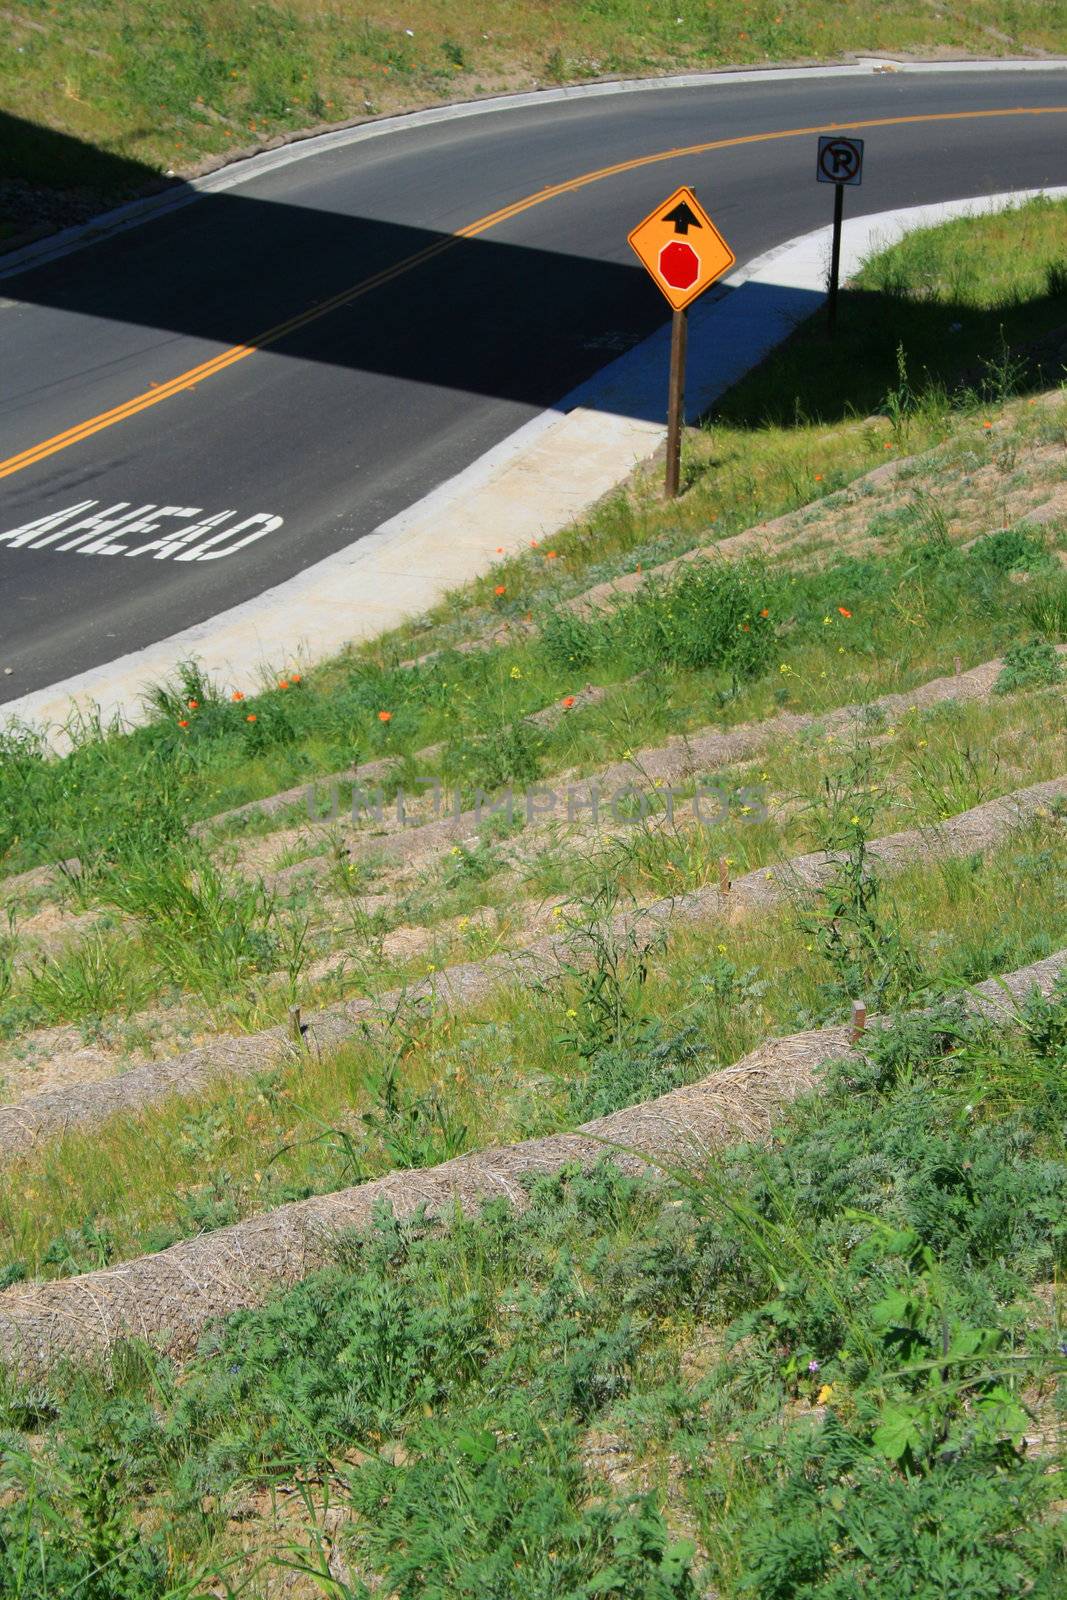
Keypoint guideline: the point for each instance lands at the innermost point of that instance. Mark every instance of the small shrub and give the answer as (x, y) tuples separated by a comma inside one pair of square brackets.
[(1004, 373), (1044, 605), (83, 1249), (490, 760), (851, 921), (568, 642), (620, 1076), (1027, 666), (608, 969), (709, 615), (555, 66), (86, 982), (1056, 277), (1011, 550)]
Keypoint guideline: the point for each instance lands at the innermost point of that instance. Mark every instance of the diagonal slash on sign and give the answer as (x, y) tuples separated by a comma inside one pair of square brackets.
[(238, 352)]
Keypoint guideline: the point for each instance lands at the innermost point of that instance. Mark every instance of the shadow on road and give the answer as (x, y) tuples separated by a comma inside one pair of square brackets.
[(476, 315)]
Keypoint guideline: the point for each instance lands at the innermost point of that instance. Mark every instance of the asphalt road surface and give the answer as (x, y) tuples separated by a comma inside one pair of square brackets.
[(192, 373)]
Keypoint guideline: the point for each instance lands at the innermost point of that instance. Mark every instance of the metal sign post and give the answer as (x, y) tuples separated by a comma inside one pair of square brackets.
[(840, 163), (682, 268)]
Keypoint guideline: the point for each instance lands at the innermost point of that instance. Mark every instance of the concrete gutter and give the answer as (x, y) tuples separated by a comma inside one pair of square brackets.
[(529, 487)]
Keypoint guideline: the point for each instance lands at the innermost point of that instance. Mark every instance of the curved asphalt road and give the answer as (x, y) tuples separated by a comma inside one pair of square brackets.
[(339, 423)]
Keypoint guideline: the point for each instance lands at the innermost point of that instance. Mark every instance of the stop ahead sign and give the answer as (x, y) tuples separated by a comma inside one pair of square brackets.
[(681, 248)]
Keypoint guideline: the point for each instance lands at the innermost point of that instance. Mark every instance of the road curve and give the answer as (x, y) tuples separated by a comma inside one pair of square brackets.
[(265, 376)]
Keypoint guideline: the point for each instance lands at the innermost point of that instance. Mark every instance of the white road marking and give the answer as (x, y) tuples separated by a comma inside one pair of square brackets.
[(92, 532)]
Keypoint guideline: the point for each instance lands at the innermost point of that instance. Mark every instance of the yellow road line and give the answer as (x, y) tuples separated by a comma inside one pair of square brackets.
[(238, 352)]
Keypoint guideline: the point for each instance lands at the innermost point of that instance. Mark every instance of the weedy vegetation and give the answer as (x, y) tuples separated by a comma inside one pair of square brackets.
[(825, 1363)]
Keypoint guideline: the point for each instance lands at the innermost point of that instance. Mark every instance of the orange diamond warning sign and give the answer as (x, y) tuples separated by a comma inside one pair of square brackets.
[(682, 248)]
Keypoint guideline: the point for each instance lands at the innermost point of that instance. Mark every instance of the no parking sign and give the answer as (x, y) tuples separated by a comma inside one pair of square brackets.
[(840, 160)]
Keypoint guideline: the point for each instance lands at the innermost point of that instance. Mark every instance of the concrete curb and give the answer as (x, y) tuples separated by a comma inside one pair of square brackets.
[(246, 168), (530, 486)]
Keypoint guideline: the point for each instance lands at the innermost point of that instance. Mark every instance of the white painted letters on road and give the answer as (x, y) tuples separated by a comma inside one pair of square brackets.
[(204, 553), (30, 530), (115, 531)]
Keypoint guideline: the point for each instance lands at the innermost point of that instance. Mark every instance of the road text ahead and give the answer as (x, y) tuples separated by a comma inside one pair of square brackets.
[(181, 532)]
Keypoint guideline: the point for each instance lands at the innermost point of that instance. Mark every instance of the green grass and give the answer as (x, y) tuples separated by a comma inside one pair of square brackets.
[(830, 1366), (816, 1364), (200, 948), (182, 933), (129, 792), (162, 777), (434, 1083), (111, 95)]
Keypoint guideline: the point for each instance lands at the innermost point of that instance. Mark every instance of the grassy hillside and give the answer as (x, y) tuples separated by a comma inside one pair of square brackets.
[(141, 88), (823, 1355)]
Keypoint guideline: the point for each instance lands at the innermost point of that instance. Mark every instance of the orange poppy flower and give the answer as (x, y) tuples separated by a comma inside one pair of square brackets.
[(236, 695), (550, 556), (251, 717), (499, 589), (845, 612), (182, 722), (283, 683), (818, 477), (294, 677), (385, 716), (567, 701), (194, 705), (765, 612)]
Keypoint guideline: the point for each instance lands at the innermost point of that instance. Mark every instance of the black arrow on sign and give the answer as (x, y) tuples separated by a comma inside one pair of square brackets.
[(683, 218)]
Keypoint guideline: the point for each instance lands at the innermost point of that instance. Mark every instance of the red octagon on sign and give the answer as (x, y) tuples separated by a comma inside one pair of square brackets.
[(679, 264)]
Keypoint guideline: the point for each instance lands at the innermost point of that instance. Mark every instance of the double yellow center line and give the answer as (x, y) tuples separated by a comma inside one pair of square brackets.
[(238, 352)]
